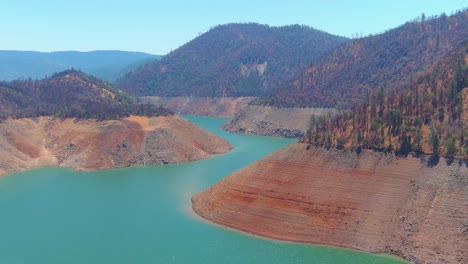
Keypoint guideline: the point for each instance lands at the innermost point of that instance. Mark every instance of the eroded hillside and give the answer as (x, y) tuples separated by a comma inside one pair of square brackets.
[(412, 207), (88, 144), (204, 106), (273, 121)]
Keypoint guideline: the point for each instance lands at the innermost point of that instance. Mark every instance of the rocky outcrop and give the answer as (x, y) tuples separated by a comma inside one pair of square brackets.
[(416, 208), (92, 145), (205, 106), (273, 121)]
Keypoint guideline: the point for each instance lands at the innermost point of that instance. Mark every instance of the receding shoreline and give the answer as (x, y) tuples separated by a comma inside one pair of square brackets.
[(201, 106), (87, 145), (273, 121), (191, 211), (372, 202)]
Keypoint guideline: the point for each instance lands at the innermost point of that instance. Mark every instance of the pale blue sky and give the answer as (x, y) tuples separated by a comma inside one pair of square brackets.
[(159, 26)]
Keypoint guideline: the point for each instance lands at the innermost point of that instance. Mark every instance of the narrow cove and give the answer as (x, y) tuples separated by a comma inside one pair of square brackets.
[(141, 215)]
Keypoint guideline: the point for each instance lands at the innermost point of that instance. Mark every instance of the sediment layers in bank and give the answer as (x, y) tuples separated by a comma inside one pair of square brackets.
[(416, 208)]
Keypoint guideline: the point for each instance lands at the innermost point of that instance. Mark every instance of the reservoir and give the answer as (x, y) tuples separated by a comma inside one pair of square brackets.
[(142, 215)]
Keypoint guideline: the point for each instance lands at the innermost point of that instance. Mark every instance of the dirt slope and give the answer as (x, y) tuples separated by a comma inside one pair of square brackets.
[(273, 121), (374, 202), (205, 106), (92, 145)]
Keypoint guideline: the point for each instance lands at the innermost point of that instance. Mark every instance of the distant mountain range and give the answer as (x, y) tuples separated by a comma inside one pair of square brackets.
[(108, 65), (389, 60), (232, 60), (71, 94)]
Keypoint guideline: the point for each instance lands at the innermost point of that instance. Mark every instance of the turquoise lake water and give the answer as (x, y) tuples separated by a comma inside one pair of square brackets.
[(141, 215)]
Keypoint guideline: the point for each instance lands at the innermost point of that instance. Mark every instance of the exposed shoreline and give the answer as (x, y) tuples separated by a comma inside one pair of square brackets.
[(273, 121), (286, 122), (379, 204), (202, 106), (192, 212), (88, 145)]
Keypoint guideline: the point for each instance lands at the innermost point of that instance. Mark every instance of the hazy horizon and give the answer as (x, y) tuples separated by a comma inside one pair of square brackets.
[(157, 27)]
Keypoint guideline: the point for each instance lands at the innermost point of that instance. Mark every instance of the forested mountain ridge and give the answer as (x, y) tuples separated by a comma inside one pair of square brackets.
[(105, 64), (232, 60), (383, 61), (73, 94), (429, 116)]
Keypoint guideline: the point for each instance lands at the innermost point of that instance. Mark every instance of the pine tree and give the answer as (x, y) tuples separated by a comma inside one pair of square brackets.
[(450, 147), (359, 138), (417, 139), (434, 140)]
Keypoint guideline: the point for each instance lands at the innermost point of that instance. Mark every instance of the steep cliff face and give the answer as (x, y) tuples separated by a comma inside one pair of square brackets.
[(205, 106), (273, 121), (416, 208), (92, 145)]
